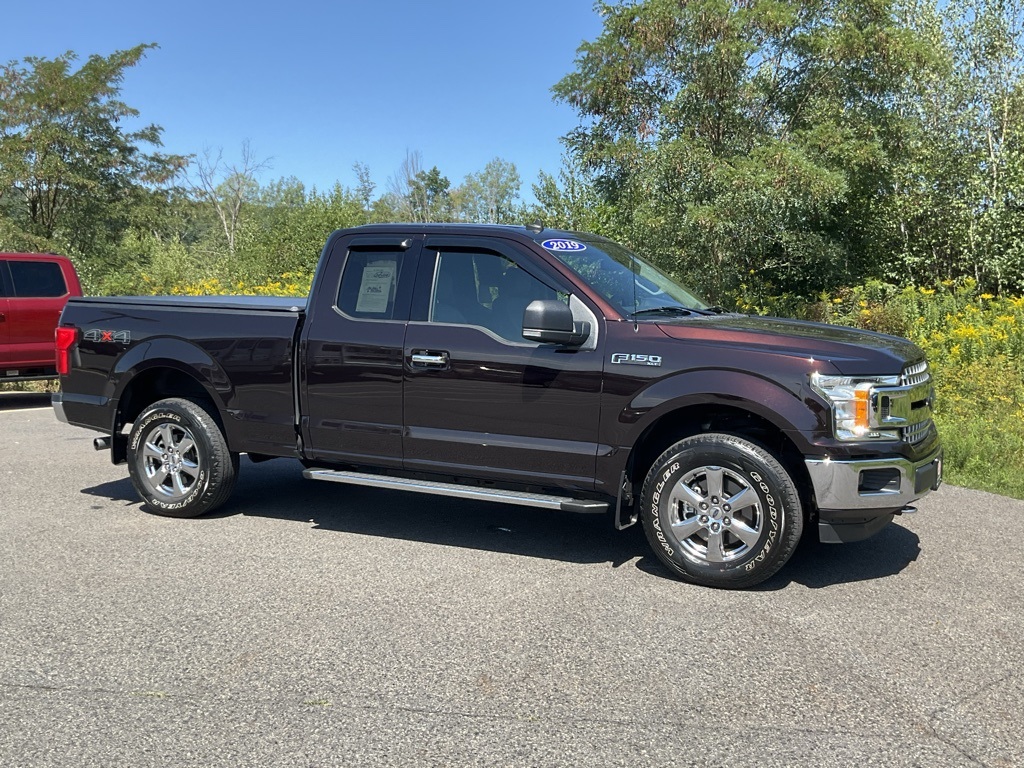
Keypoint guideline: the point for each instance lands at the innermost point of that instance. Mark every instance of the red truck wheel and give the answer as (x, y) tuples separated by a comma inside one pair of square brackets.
[(721, 511), (179, 460)]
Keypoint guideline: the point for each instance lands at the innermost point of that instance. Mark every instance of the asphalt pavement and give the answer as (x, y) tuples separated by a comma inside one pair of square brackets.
[(312, 624)]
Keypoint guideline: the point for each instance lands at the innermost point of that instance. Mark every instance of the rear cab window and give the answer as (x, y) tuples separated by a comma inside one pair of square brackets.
[(369, 284)]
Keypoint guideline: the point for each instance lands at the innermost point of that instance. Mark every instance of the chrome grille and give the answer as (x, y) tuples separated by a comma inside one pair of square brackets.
[(917, 432), (915, 374)]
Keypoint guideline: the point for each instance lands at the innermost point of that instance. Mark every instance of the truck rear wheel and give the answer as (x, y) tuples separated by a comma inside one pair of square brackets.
[(721, 511), (178, 459)]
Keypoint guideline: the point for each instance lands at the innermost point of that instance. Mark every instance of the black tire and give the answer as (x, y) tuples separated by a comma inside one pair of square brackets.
[(178, 459), (698, 534)]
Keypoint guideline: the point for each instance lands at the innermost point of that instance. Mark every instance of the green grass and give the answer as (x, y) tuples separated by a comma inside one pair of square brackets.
[(981, 420)]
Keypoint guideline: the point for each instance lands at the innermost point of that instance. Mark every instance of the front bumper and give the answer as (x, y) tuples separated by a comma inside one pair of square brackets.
[(866, 484), (858, 497)]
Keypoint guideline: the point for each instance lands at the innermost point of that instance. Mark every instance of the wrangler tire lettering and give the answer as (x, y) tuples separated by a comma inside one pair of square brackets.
[(733, 563)]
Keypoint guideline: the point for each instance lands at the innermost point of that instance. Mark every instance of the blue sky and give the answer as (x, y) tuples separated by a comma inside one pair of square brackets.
[(317, 86)]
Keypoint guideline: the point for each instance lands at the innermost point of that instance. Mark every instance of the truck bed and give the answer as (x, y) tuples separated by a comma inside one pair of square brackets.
[(236, 351)]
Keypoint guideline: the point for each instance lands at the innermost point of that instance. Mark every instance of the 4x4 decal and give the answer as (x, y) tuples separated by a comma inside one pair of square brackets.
[(115, 337)]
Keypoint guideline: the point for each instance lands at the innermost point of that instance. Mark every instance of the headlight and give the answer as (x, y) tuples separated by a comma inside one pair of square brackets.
[(851, 400)]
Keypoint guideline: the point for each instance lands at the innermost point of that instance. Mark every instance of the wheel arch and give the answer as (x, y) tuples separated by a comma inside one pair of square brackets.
[(165, 367), (160, 381), (734, 419), (149, 382)]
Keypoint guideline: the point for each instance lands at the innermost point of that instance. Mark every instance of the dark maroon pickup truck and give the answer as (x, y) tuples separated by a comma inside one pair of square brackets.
[(520, 365)]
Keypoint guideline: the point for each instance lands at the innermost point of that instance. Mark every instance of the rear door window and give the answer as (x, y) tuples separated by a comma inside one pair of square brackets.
[(3, 279), (37, 279), (369, 285)]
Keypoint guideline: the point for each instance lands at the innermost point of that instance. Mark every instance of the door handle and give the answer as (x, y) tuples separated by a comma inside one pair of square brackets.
[(2, 317), (425, 359)]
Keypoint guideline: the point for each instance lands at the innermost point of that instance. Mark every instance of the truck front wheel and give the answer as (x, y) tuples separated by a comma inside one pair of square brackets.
[(178, 459), (721, 511)]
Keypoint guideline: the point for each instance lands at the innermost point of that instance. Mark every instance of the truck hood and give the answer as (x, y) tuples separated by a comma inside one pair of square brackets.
[(852, 351)]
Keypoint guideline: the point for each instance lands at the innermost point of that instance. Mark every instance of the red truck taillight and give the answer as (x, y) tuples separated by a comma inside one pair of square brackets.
[(67, 335)]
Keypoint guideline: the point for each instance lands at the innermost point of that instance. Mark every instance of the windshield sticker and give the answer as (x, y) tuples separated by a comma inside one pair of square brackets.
[(560, 244)]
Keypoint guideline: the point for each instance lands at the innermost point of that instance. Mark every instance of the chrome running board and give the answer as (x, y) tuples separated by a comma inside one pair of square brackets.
[(565, 504)]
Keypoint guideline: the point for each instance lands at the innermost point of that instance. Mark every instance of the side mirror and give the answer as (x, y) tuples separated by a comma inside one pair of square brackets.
[(550, 321)]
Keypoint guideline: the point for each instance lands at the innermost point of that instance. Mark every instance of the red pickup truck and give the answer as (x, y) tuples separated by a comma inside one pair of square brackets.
[(34, 287)]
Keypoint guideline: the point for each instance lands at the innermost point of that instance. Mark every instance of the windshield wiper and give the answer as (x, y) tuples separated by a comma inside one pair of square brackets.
[(663, 311)]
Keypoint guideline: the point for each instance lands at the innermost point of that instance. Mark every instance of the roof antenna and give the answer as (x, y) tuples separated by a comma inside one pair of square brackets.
[(536, 227)]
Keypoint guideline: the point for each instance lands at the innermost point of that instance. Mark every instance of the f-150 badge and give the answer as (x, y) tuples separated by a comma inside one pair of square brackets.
[(624, 358), (116, 337)]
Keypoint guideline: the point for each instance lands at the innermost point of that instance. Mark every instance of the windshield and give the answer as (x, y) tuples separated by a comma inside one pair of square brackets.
[(612, 271)]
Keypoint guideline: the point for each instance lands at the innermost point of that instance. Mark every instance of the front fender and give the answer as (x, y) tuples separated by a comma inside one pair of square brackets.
[(785, 402)]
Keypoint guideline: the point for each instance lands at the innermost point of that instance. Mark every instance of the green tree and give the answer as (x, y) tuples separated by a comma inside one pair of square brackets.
[(960, 179), (227, 188), (417, 195), (570, 201), (430, 196), (71, 176), (365, 185), (490, 196), (731, 138), (290, 234)]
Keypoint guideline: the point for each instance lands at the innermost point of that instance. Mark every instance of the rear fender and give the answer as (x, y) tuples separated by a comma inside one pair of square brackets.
[(173, 354)]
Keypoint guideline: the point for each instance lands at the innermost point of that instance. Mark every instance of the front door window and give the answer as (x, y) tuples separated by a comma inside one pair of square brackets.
[(486, 290)]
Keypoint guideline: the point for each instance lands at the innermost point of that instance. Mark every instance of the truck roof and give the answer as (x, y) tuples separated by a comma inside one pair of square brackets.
[(34, 256), (531, 232)]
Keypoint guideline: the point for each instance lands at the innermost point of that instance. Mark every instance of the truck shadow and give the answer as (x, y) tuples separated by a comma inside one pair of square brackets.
[(13, 401), (816, 565), (277, 490)]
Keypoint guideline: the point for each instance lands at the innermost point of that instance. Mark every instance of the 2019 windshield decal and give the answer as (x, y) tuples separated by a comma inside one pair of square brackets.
[(562, 244)]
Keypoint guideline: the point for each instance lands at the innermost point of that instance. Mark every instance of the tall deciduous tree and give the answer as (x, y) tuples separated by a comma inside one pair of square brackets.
[(490, 195), (430, 196), (570, 201), (418, 195), (364, 186), (732, 137), (960, 179), (226, 188), (70, 171)]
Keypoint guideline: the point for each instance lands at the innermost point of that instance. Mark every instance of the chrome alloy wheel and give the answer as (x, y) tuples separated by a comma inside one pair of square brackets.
[(715, 515), (170, 462)]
